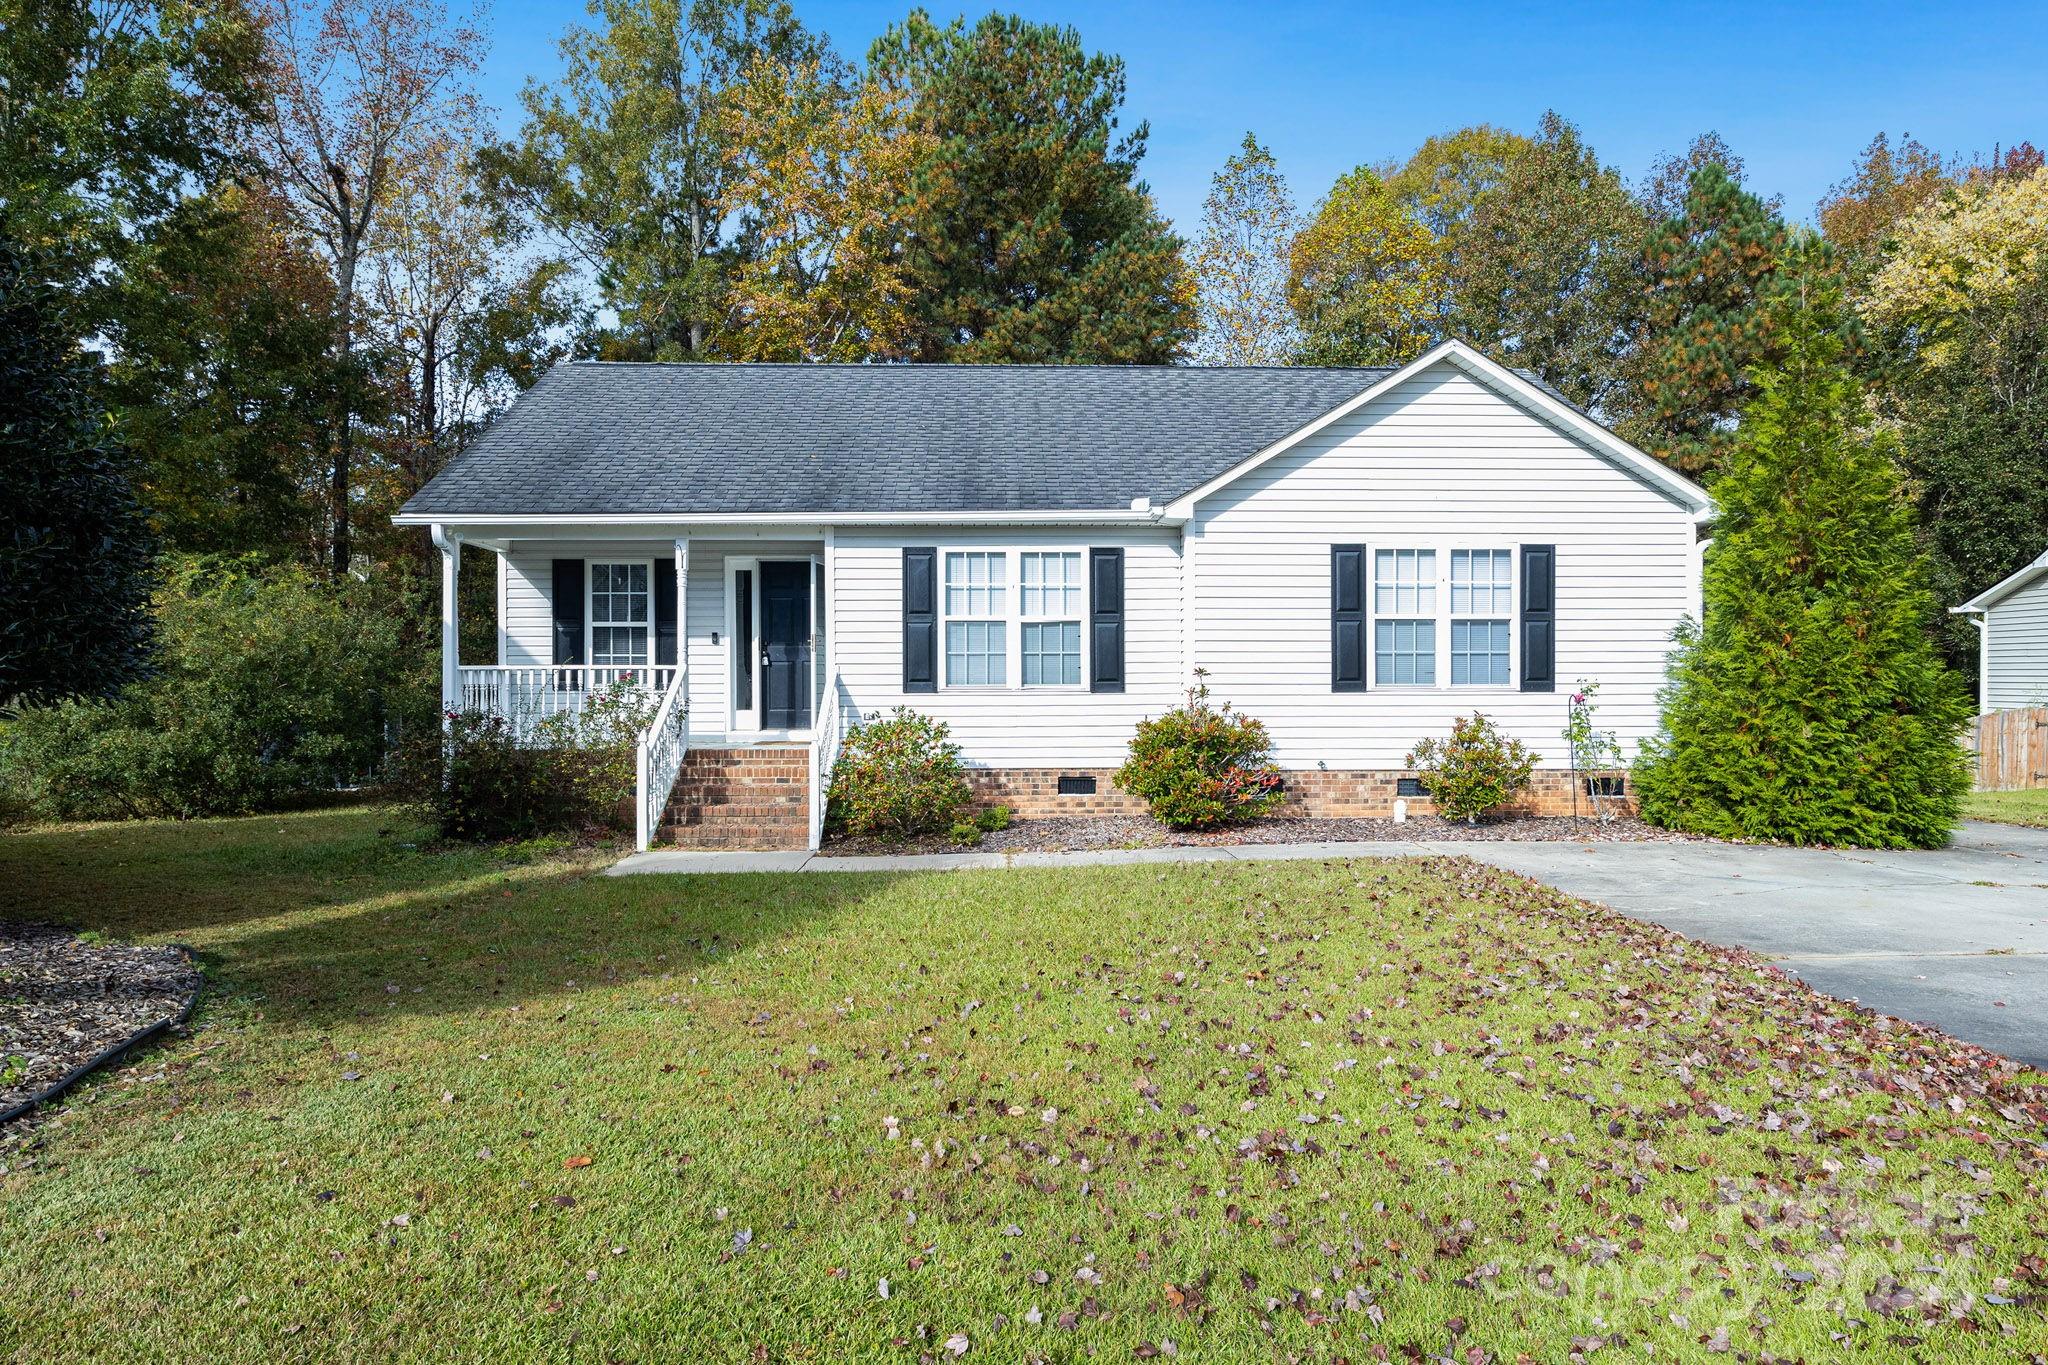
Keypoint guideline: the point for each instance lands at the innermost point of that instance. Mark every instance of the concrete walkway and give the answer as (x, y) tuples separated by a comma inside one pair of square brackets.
[(1956, 937)]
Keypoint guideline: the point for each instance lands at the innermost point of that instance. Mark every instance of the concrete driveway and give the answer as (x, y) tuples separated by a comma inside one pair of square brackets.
[(1956, 937)]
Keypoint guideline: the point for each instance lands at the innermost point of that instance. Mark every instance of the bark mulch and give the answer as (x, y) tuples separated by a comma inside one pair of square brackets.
[(1076, 833), (64, 1002)]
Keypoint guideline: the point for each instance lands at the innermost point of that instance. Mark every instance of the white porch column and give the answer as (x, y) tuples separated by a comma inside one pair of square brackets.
[(683, 625), (449, 543)]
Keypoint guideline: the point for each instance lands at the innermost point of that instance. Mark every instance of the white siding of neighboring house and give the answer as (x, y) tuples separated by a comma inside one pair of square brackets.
[(1014, 726), (2016, 650), (1440, 461)]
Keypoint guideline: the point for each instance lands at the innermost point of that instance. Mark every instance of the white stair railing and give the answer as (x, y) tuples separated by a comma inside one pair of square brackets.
[(828, 730), (663, 747)]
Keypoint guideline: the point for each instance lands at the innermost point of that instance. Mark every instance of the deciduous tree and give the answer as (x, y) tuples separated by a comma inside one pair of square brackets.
[(1811, 707), (819, 165), (1241, 263), (358, 91), (1544, 270), (1960, 307), (1368, 281)]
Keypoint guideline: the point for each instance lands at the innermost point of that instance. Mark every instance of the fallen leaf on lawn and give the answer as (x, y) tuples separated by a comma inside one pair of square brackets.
[(576, 1163)]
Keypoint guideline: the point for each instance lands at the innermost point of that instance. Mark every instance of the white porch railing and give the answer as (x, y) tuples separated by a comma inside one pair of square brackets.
[(662, 750), (525, 696), (828, 729)]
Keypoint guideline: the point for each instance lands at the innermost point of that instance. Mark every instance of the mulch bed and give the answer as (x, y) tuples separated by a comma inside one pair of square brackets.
[(64, 1003), (1069, 834)]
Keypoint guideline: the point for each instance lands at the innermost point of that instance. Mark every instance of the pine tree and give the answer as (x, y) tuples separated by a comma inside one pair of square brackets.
[(1032, 239), (1705, 324), (74, 547), (1811, 706)]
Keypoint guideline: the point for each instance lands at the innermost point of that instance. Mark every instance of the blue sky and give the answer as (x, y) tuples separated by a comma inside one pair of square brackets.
[(1797, 90)]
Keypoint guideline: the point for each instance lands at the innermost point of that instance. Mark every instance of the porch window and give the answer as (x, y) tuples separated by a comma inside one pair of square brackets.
[(1482, 606), (621, 614), (1049, 607), (1404, 617), (977, 618)]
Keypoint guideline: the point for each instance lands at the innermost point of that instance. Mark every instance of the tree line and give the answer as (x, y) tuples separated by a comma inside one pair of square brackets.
[(268, 266)]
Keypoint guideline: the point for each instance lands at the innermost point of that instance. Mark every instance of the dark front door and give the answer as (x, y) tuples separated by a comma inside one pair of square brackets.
[(785, 646)]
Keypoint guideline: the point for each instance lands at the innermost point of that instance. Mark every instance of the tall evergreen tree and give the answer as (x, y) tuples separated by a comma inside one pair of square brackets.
[(1705, 325), (1811, 706), (74, 547), (1032, 238)]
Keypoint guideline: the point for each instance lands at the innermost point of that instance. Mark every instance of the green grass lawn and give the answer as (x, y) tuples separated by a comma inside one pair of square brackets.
[(2013, 808), (453, 1107)]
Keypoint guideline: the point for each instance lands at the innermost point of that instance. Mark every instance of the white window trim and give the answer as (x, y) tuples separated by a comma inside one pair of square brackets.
[(590, 621), (1013, 617), (1443, 617)]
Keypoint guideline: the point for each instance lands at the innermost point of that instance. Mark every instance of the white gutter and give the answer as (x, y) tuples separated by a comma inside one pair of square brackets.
[(1135, 515)]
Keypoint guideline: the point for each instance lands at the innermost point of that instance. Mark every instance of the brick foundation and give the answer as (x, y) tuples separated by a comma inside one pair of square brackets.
[(1033, 794)]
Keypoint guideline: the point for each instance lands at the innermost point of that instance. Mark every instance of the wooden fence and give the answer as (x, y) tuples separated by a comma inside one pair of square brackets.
[(2012, 749)]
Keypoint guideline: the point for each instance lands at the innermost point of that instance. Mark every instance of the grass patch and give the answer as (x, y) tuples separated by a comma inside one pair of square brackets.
[(2011, 808), (455, 1106)]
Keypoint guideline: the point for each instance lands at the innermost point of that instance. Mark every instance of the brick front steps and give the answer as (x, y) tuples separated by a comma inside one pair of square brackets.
[(754, 798)]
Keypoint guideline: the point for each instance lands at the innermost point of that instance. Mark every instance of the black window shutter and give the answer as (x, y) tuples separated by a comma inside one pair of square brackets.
[(664, 612), (1347, 618), (1539, 618), (1106, 620), (567, 592), (920, 619)]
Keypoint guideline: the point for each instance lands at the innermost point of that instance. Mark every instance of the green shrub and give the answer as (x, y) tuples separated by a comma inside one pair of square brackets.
[(1200, 766), (897, 776), (271, 683), (1474, 771), (993, 819), (965, 833), (577, 774)]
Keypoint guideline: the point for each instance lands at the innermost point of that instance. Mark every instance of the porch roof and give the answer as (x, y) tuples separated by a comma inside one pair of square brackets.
[(623, 439)]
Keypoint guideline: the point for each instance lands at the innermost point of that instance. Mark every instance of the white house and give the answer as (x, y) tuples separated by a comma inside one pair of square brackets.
[(1043, 555), (2011, 618)]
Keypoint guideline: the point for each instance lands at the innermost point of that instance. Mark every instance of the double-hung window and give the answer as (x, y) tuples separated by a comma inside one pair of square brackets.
[(1404, 617), (977, 618), (1028, 604), (621, 614), (1049, 617), (1443, 616), (1482, 612)]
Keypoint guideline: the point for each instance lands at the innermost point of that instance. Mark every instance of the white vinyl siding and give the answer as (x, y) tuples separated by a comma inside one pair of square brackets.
[(1440, 461), (1025, 724), (2016, 650)]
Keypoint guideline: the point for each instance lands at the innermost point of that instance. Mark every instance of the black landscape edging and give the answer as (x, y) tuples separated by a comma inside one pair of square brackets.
[(55, 1089)]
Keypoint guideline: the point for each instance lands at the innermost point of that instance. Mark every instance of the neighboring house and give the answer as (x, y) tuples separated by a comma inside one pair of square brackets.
[(1042, 556), (2012, 640)]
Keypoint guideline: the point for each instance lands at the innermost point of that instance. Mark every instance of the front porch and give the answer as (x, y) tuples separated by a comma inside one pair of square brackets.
[(721, 643)]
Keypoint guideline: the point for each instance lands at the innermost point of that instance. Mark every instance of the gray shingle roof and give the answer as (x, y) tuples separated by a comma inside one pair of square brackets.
[(594, 438)]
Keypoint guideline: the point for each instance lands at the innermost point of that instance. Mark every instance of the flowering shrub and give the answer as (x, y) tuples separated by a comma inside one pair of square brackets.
[(1200, 766), (897, 776), (1594, 751), (1475, 770)]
